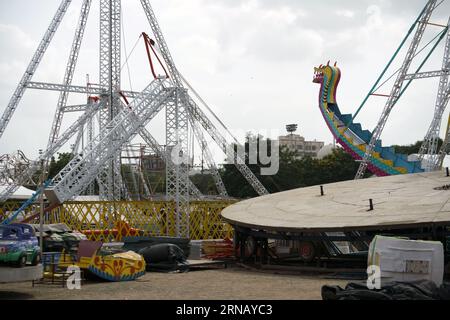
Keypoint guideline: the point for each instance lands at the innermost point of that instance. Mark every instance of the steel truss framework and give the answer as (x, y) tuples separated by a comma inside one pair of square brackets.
[(99, 159), (62, 140), (12, 166), (430, 144), (429, 147), (124, 127)]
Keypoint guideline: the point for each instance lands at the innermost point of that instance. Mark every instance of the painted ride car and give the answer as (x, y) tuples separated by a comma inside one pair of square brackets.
[(108, 262), (19, 245)]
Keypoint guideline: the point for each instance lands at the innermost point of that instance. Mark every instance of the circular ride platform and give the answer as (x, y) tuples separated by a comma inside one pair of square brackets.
[(10, 274), (400, 201)]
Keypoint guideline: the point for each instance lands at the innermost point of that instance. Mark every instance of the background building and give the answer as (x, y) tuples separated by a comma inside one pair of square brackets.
[(297, 143)]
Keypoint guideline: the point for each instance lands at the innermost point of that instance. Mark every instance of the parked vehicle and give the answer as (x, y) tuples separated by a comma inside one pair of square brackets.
[(19, 245)]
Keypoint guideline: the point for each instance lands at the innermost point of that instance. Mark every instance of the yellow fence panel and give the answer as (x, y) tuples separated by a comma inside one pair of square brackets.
[(8, 208), (112, 221)]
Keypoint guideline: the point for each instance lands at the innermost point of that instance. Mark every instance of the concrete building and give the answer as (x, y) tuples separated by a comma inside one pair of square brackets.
[(297, 143)]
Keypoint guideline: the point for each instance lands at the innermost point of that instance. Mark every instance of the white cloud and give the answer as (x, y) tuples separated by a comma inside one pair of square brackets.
[(345, 13), (16, 47), (13, 37)]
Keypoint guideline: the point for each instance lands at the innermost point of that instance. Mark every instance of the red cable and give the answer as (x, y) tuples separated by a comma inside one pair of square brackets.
[(124, 98), (149, 45), (160, 62)]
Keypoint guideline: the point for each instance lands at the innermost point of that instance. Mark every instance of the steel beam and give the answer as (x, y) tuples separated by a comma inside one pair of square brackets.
[(209, 159), (35, 61), (428, 74), (70, 70), (75, 89)]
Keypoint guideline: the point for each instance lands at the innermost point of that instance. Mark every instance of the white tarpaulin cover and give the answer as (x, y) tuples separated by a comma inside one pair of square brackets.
[(407, 260)]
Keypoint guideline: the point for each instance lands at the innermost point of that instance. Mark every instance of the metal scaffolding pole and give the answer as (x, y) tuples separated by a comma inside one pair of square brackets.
[(32, 67), (110, 57)]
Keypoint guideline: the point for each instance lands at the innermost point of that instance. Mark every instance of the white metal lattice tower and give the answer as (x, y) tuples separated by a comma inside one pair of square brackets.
[(429, 146), (97, 155), (177, 170), (110, 64)]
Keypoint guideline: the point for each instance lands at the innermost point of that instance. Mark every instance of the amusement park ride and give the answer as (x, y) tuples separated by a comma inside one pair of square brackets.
[(365, 145), (121, 120), (124, 115)]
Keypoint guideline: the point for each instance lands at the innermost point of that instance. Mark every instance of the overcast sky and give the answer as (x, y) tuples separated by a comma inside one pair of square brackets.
[(251, 60)]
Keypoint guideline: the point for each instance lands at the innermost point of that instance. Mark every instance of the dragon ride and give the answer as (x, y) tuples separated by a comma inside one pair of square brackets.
[(351, 136)]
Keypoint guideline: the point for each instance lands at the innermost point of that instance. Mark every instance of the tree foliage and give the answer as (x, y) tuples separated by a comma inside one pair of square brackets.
[(413, 148), (57, 165), (294, 172), (205, 183)]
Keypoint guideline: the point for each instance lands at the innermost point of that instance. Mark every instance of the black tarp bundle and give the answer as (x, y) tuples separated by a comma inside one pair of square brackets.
[(138, 243), (165, 257), (417, 290)]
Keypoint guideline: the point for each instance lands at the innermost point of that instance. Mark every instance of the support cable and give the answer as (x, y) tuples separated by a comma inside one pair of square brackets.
[(419, 52)]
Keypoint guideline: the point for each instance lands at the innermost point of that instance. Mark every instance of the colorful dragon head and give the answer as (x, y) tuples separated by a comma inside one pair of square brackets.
[(318, 74), (329, 77)]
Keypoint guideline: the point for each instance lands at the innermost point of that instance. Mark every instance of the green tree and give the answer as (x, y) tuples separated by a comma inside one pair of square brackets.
[(236, 184), (294, 172), (56, 166), (338, 166), (205, 183), (413, 148)]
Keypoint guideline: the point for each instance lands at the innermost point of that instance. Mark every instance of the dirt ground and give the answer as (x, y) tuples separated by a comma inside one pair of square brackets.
[(217, 284)]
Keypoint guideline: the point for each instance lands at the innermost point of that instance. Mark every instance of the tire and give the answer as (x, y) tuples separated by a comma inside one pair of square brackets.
[(22, 262), (307, 251), (37, 260)]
